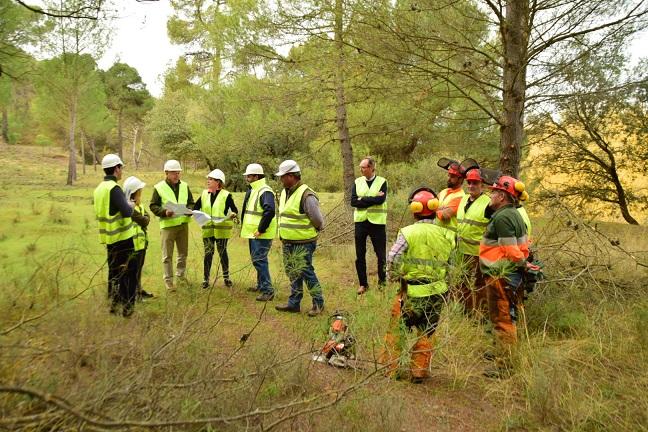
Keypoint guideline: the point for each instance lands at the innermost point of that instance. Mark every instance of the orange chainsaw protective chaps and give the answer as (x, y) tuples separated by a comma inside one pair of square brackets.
[(499, 312)]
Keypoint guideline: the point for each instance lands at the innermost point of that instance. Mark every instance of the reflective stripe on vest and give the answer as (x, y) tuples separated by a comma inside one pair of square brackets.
[(502, 255), (111, 228), (166, 194), (426, 258), (526, 219), (221, 230), (444, 200), (292, 224), (139, 239), (471, 225), (254, 212), (376, 214)]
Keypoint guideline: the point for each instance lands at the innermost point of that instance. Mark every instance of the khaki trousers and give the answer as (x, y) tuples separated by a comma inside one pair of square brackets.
[(178, 235)]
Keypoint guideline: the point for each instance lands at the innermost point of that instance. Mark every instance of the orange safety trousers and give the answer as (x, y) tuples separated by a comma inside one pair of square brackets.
[(499, 306), (421, 352)]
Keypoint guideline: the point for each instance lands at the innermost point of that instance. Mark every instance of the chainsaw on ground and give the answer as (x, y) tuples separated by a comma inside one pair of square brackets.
[(339, 349)]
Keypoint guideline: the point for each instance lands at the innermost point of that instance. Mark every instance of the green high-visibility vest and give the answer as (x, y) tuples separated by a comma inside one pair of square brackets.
[(471, 224), (376, 214), (424, 264), (526, 219), (166, 194), (254, 212), (140, 239), (292, 224), (111, 228), (221, 230)]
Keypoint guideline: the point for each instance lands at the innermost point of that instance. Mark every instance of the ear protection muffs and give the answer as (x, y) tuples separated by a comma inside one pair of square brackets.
[(422, 205)]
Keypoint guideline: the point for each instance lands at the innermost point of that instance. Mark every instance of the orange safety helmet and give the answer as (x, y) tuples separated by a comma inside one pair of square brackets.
[(423, 202), (512, 186), (474, 175), (452, 166), (453, 169)]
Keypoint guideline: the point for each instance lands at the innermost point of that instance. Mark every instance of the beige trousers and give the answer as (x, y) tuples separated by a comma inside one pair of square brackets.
[(178, 235)]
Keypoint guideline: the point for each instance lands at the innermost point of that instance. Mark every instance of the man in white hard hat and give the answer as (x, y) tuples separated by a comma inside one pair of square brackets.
[(300, 221), (116, 231), (174, 227), (369, 199), (259, 226), (216, 202)]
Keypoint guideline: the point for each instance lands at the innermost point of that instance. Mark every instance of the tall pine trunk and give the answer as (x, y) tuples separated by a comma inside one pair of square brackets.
[(515, 39), (71, 177), (341, 111), (120, 134)]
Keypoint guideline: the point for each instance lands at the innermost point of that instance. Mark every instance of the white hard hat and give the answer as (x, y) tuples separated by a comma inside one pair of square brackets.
[(254, 168), (288, 166), (172, 165), (217, 175), (131, 185), (111, 160)]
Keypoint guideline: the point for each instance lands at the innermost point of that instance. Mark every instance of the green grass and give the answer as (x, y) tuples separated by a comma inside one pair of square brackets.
[(580, 364)]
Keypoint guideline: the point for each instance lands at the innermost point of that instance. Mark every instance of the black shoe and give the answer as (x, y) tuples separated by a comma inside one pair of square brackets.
[(315, 310), (265, 297), (228, 283), (287, 308), (253, 289), (205, 284), (143, 294)]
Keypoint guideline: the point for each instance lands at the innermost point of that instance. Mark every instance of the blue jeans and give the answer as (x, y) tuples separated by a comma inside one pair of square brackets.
[(259, 249), (298, 262)]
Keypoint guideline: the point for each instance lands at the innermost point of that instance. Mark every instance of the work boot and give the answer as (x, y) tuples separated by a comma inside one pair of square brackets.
[(418, 379), (144, 294), (228, 283), (265, 297), (205, 284), (287, 308), (253, 289), (363, 289), (315, 310)]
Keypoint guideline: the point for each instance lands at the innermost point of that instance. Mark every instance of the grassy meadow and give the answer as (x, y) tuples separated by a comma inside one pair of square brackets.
[(216, 360)]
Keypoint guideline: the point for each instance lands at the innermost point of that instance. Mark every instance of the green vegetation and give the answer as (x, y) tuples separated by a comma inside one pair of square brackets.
[(203, 356)]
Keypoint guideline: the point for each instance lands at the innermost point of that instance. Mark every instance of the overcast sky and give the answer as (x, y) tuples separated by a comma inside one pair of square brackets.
[(141, 41)]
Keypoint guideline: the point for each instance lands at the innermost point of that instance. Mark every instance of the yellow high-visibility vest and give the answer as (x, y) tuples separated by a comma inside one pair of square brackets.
[(221, 230), (376, 214), (292, 224), (111, 228), (254, 212), (471, 224), (166, 194)]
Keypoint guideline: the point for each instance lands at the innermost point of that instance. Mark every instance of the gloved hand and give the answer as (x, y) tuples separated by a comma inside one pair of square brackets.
[(532, 267)]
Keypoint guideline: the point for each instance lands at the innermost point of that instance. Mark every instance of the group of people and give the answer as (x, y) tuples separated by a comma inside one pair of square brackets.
[(123, 222), (487, 235)]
